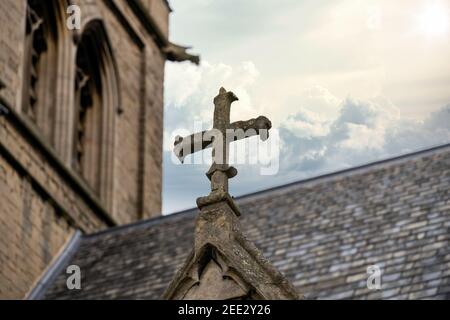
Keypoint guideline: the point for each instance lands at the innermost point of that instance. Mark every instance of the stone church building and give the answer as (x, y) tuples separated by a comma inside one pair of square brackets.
[(80, 125), (81, 115)]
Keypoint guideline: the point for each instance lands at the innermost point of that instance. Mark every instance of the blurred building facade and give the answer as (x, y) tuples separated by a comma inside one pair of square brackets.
[(80, 125)]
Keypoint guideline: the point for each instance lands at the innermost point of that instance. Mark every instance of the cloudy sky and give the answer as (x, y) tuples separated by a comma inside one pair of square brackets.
[(344, 83)]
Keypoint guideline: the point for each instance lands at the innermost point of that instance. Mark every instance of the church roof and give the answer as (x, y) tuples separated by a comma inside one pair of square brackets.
[(322, 233)]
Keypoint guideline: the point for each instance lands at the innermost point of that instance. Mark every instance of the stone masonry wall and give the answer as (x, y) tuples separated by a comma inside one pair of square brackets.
[(39, 210), (126, 171), (32, 232), (160, 10), (139, 129), (12, 19)]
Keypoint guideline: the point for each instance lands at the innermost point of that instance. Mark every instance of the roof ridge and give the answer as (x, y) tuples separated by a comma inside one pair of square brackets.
[(141, 223), (341, 172), (160, 219)]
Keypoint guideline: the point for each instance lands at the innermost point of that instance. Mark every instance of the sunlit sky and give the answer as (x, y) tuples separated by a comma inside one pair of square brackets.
[(344, 82)]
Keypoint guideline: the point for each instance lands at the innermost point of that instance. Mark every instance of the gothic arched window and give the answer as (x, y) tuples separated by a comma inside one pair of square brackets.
[(43, 21), (96, 100)]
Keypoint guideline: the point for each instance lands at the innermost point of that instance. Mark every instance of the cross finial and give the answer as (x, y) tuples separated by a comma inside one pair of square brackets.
[(219, 139)]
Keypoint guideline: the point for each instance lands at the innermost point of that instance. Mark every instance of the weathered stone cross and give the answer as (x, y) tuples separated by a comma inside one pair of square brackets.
[(223, 264), (219, 137)]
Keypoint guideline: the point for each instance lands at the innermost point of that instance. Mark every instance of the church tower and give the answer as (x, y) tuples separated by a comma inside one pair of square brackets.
[(81, 116)]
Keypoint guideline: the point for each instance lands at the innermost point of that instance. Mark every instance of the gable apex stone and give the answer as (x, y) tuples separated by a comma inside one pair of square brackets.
[(225, 265)]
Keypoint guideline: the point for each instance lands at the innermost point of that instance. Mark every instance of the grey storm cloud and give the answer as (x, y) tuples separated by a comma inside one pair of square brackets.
[(349, 141)]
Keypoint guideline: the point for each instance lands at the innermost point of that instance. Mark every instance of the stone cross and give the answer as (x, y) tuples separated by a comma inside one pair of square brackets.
[(223, 264), (219, 137)]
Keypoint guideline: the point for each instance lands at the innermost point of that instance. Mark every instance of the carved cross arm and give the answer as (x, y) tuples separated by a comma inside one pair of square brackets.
[(256, 126)]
